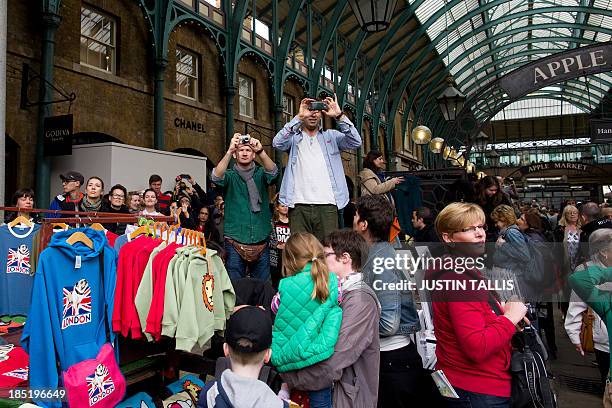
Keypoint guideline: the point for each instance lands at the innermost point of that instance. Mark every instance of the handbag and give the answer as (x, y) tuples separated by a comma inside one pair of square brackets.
[(248, 252), (586, 331), (97, 381)]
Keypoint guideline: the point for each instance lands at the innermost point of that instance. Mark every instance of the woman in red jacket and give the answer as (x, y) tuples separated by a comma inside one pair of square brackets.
[(473, 342)]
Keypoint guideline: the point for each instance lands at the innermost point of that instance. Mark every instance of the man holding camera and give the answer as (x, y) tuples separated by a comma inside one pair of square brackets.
[(314, 186), (247, 214)]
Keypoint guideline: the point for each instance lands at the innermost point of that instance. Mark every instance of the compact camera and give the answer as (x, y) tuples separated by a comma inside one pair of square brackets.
[(245, 139), (317, 105)]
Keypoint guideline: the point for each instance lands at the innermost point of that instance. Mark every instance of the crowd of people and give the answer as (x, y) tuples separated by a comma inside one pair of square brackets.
[(336, 336)]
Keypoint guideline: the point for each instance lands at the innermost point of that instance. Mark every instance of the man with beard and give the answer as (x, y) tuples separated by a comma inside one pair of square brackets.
[(314, 187), (247, 214)]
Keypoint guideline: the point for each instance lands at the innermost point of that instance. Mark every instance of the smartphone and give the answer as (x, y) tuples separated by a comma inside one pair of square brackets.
[(317, 105)]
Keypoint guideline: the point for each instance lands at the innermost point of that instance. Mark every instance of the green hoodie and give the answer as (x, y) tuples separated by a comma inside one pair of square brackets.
[(305, 330), (585, 284)]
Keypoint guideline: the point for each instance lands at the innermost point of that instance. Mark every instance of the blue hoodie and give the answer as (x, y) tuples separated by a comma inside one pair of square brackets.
[(67, 323)]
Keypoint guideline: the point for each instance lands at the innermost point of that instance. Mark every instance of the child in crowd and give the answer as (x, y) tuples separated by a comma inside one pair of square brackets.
[(248, 337), (278, 238), (308, 316)]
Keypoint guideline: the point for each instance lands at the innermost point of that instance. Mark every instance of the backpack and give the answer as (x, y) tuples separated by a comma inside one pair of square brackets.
[(531, 385)]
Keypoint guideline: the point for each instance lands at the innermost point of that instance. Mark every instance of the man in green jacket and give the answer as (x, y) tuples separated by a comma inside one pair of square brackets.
[(247, 213)]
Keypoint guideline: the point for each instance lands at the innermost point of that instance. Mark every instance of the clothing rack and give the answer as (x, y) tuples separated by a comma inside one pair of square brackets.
[(82, 217)]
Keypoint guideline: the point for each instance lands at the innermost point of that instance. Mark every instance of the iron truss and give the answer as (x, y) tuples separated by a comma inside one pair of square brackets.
[(319, 44)]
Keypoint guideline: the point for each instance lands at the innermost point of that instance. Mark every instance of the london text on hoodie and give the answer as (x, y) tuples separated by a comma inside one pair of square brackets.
[(67, 322)]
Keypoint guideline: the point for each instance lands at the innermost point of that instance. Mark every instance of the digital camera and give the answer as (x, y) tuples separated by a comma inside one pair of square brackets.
[(317, 105), (245, 139)]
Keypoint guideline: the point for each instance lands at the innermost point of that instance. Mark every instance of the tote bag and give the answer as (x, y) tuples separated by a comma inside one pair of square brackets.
[(96, 382)]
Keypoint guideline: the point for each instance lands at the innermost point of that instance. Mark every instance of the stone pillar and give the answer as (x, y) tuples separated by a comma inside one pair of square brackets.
[(51, 23)]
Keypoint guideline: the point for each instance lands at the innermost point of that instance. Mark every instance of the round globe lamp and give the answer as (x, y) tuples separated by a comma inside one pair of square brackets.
[(421, 135), (436, 145)]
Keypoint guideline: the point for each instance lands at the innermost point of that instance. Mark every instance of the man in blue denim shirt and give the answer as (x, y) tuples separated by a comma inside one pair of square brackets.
[(402, 380), (314, 186)]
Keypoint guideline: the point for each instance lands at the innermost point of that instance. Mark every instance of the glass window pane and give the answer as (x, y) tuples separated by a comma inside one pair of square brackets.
[(97, 40)]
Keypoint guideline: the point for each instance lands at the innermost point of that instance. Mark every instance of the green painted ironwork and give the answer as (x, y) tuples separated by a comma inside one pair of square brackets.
[(51, 21), (330, 28)]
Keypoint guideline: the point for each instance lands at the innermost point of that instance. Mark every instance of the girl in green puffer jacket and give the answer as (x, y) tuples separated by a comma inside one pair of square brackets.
[(308, 316)]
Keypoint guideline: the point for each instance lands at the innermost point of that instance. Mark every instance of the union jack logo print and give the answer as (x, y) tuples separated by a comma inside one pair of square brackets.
[(18, 260), (99, 384), (77, 299), (21, 373)]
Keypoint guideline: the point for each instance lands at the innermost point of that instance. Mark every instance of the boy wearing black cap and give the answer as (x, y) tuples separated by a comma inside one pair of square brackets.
[(70, 199), (248, 338)]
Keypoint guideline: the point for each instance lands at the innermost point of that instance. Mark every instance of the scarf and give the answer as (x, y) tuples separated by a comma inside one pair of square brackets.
[(89, 206), (247, 176)]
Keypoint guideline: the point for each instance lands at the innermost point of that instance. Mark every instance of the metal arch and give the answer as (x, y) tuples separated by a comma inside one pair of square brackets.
[(510, 33), (521, 14), (314, 74), (505, 70), (267, 61), (511, 67), (417, 35), (348, 66), (282, 51), (160, 20), (509, 46), (518, 64), (484, 27), (373, 66), (216, 32), (556, 96), (469, 51), (234, 37), (468, 16), (578, 100)]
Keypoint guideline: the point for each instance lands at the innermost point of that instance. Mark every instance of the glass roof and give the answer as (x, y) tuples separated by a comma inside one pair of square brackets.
[(481, 40), (536, 108)]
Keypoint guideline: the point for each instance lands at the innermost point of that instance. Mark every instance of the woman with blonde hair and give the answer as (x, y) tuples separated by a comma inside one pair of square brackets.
[(473, 343), (567, 234), (308, 316)]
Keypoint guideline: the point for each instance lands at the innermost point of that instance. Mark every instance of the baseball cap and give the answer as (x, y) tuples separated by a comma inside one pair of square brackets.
[(251, 323), (72, 176)]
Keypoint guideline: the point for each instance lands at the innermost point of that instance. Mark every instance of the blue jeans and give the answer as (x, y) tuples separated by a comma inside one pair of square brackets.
[(238, 268), (321, 398), (468, 399)]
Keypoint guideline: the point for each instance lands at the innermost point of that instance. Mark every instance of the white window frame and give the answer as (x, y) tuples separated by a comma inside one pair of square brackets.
[(288, 107), (195, 78), (249, 100), (112, 45)]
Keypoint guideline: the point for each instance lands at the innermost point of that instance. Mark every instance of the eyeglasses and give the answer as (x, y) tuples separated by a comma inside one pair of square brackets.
[(68, 181), (473, 228), (118, 196)]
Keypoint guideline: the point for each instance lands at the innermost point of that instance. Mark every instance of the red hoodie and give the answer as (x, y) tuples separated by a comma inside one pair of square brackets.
[(473, 343)]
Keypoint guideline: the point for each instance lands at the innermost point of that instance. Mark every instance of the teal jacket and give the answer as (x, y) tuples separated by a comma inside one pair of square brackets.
[(305, 330), (585, 284)]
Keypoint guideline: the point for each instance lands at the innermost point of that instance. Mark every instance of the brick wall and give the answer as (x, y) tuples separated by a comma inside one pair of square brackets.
[(121, 104)]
